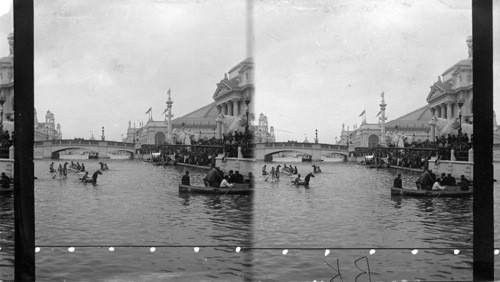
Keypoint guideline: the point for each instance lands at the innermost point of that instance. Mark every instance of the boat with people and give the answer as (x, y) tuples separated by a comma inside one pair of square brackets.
[(448, 192), (237, 189)]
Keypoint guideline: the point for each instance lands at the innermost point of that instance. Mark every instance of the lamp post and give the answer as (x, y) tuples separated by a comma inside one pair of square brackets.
[(460, 104), (396, 126), (247, 101), (2, 101)]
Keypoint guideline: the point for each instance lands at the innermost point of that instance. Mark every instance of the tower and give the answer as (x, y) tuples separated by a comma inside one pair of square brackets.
[(169, 117), (469, 45), (102, 136), (10, 38), (382, 120)]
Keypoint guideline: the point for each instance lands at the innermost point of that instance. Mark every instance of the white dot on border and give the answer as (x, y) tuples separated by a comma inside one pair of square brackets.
[(238, 249), (456, 252), (152, 249), (414, 251), (497, 252), (111, 249), (37, 249), (327, 252), (71, 249), (285, 252), (372, 251), (196, 249)]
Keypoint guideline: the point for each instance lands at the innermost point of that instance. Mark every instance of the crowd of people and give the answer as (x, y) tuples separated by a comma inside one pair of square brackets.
[(216, 178), (429, 181), (6, 141)]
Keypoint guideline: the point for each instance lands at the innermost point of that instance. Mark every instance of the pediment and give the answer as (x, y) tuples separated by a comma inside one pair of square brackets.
[(222, 88), (435, 92)]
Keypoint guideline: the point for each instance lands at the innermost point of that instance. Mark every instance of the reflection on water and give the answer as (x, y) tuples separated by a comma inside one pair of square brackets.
[(136, 203), (6, 236), (349, 206)]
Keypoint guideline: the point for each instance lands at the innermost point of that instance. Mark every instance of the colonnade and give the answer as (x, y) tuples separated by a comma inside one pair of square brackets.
[(233, 107), (446, 110)]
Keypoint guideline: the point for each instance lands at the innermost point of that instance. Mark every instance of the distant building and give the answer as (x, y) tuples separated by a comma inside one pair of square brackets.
[(47, 130), (229, 99), (263, 133), (454, 85), (7, 81)]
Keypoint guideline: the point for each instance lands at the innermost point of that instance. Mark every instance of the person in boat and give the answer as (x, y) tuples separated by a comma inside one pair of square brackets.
[(398, 183), (102, 165), (437, 185), (78, 167), (5, 181), (318, 169), (231, 177), (83, 167), (85, 177), (185, 179), (297, 180), (425, 181), (238, 178), (60, 170), (308, 177), (264, 172), (106, 166), (295, 171), (65, 169), (52, 167), (277, 172), (451, 180), (224, 183), (464, 183), (314, 168), (444, 179), (250, 180)]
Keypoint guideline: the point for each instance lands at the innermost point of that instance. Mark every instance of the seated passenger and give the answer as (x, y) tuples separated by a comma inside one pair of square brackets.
[(225, 184), (437, 185), (185, 179), (451, 180), (398, 183), (464, 183)]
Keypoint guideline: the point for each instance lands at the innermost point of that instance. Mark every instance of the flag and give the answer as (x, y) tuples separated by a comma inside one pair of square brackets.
[(362, 113), (378, 114), (149, 110)]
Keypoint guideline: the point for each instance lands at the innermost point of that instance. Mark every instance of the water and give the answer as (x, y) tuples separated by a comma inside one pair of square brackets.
[(347, 206), (350, 206), (136, 203)]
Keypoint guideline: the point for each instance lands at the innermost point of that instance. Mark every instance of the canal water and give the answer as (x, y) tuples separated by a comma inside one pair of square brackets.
[(136, 203), (347, 207)]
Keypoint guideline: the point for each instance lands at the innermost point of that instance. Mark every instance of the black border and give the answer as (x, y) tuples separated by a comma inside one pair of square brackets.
[(482, 31), (24, 204), (483, 263)]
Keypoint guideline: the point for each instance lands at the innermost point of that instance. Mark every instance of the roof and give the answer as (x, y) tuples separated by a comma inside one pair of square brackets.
[(417, 118), (7, 60), (445, 86), (204, 115), (247, 60), (465, 62)]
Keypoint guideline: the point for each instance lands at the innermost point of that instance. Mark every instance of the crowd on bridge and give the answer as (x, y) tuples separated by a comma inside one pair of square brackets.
[(6, 141)]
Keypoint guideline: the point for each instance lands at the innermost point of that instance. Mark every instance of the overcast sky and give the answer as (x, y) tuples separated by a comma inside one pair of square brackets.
[(318, 63)]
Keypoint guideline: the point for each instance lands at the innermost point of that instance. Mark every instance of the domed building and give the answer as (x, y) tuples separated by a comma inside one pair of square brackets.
[(230, 98), (47, 130), (263, 133), (7, 82)]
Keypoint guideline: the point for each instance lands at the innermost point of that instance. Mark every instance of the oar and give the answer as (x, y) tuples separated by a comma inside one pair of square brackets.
[(439, 194)]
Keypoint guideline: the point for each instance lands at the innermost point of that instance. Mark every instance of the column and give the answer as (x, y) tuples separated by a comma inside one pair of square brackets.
[(224, 108), (448, 110), (229, 108), (219, 128), (236, 111), (433, 128)]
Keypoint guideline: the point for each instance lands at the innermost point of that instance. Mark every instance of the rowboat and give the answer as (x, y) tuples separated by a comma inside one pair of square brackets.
[(88, 180), (300, 183), (448, 192), (241, 189)]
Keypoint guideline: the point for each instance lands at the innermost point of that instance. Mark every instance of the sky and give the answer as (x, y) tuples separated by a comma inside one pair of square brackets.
[(318, 63)]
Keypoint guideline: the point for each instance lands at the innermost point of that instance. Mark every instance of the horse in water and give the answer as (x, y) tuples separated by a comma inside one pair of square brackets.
[(231, 123)]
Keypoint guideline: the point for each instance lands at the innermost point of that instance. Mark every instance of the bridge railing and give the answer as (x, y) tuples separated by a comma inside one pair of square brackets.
[(305, 145), (84, 142)]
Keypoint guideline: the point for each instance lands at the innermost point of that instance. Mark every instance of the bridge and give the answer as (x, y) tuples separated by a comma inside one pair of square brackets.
[(45, 149), (261, 150)]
